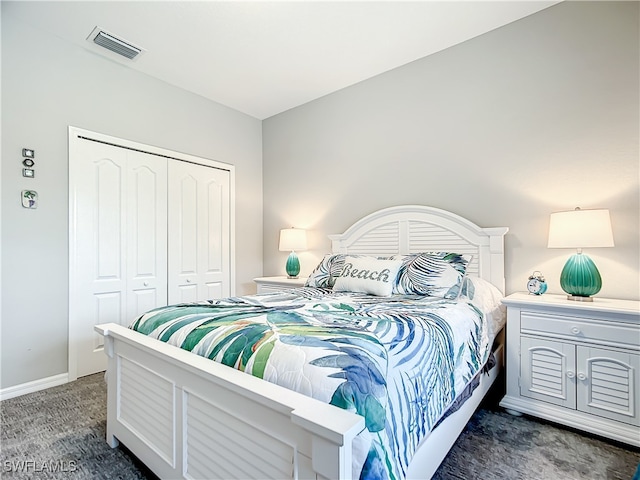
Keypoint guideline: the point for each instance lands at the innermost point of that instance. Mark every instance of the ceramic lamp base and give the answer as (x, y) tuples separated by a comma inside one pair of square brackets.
[(293, 265), (580, 278)]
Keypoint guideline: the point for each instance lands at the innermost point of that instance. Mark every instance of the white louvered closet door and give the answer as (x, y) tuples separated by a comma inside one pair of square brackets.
[(119, 200), (199, 226)]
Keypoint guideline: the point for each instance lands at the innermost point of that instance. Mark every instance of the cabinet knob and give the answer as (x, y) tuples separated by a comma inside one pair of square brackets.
[(188, 280), (582, 376), (575, 330), (570, 374), (146, 284)]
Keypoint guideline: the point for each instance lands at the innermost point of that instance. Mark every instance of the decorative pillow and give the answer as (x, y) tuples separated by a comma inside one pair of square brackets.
[(432, 273), (368, 275), (457, 290), (329, 268), (325, 274)]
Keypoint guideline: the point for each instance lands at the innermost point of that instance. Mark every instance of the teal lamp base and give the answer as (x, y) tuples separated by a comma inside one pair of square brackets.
[(580, 278), (293, 265)]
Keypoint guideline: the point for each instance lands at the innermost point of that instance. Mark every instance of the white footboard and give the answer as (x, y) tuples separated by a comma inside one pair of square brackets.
[(185, 416)]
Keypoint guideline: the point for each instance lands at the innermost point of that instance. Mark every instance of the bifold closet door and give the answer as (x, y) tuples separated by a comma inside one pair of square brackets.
[(120, 203), (198, 232)]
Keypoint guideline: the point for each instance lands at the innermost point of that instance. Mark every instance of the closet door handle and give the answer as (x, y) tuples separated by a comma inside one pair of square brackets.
[(582, 376), (570, 374)]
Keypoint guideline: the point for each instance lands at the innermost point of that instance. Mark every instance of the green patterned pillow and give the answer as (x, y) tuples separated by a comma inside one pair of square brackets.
[(325, 274), (431, 273)]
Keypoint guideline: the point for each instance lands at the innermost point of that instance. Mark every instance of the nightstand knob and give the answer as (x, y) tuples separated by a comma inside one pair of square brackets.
[(570, 374), (582, 376), (188, 280), (575, 330), (146, 284)]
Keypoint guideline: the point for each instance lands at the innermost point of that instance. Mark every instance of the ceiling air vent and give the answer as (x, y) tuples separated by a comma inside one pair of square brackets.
[(117, 45)]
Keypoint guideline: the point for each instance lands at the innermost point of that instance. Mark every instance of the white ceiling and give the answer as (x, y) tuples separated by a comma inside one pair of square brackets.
[(265, 57)]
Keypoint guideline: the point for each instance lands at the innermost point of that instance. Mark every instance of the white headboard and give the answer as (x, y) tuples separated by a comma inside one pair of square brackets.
[(415, 228)]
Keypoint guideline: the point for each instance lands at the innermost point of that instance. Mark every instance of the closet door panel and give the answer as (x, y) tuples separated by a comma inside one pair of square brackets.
[(182, 234), (215, 243), (99, 197), (198, 236), (108, 184), (146, 233)]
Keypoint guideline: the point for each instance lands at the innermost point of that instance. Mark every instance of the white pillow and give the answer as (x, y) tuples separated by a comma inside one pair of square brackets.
[(487, 298), (368, 275), (481, 293)]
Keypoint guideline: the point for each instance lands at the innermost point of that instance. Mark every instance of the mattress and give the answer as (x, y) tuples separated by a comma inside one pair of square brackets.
[(399, 361)]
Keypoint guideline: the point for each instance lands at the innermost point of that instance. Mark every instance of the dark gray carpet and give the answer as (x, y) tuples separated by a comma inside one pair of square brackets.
[(59, 434)]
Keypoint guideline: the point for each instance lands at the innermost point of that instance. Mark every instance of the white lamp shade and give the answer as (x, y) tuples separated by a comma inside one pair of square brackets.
[(293, 239), (580, 229)]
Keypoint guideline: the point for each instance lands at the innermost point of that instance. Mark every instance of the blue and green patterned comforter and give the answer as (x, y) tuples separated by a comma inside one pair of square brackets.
[(398, 361)]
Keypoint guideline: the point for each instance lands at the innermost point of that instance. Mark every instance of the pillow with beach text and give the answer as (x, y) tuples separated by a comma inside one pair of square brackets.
[(368, 275)]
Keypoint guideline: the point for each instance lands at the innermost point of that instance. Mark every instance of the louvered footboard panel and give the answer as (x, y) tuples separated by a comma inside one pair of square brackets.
[(185, 416), (146, 406), (219, 445)]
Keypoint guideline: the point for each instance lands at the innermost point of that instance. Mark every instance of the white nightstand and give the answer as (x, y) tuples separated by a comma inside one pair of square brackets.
[(276, 284), (575, 363)]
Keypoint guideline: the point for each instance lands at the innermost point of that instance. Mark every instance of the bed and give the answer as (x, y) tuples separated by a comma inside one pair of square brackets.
[(186, 416)]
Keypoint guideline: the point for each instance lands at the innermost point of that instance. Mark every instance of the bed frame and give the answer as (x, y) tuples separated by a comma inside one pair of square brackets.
[(185, 416)]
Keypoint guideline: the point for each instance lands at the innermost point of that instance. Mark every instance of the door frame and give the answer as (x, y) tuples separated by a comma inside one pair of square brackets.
[(76, 135)]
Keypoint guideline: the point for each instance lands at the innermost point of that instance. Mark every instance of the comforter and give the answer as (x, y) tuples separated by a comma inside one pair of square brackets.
[(398, 361)]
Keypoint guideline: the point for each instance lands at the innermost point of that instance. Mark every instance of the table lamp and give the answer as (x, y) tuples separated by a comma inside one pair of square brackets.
[(292, 239), (580, 229)]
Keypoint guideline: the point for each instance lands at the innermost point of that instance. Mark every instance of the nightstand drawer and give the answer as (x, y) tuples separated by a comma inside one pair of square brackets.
[(597, 331), (273, 288), (278, 284)]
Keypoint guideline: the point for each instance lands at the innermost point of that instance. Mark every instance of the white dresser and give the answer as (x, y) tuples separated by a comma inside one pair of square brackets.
[(275, 284), (575, 363)]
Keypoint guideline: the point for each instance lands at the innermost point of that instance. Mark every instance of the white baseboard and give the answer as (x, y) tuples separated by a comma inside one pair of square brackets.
[(33, 386)]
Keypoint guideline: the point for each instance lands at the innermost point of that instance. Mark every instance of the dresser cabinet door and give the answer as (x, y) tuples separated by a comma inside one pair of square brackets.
[(607, 383), (547, 371)]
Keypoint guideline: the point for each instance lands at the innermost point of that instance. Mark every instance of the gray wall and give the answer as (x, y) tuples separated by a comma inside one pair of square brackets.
[(535, 117), (48, 84)]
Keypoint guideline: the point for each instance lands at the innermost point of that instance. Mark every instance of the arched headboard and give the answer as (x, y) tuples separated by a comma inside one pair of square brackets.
[(416, 228)]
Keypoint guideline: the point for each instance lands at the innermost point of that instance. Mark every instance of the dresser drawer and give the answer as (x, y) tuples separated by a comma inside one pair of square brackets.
[(580, 329)]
